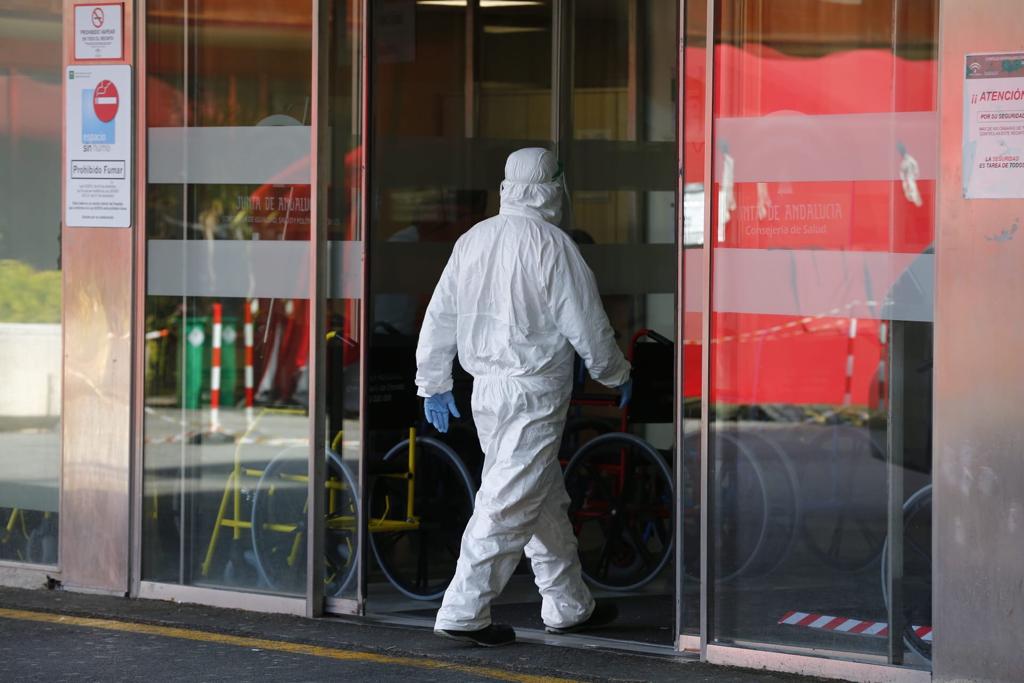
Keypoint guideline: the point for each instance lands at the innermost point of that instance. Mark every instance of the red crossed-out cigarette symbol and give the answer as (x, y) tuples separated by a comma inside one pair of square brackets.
[(97, 17), (105, 101)]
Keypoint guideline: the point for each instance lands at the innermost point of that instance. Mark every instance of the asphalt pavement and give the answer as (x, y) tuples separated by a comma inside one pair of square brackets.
[(56, 635)]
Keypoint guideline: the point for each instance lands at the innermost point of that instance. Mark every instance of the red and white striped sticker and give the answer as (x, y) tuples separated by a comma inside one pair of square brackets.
[(824, 622)]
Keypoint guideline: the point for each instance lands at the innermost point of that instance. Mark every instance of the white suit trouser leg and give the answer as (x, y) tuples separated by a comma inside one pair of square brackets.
[(553, 552), (522, 500)]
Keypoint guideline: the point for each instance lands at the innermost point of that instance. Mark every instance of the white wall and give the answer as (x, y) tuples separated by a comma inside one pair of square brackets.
[(30, 369)]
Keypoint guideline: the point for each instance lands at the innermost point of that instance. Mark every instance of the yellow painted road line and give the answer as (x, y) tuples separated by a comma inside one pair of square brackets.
[(274, 645)]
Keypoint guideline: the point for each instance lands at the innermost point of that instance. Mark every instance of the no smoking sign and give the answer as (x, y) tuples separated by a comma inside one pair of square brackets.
[(98, 146), (98, 31), (105, 101)]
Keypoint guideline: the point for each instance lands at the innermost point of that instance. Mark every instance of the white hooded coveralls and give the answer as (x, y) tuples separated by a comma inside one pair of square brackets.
[(514, 301)]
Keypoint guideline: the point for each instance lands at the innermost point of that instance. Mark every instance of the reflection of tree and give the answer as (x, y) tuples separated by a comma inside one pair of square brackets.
[(221, 212), (28, 295), (163, 318)]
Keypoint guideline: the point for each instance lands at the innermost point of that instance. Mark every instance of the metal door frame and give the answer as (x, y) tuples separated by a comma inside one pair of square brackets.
[(317, 303), (317, 603)]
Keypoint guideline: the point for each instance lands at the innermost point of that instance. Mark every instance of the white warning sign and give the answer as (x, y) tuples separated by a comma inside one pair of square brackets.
[(99, 31), (993, 144), (98, 146)]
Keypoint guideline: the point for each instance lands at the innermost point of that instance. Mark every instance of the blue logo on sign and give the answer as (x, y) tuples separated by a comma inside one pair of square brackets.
[(94, 131)]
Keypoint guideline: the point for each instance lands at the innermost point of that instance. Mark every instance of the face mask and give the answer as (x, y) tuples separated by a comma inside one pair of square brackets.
[(559, 177)]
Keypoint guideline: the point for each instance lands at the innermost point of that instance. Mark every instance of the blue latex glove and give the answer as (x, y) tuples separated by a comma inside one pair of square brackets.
[(436, 409), (626, 393)]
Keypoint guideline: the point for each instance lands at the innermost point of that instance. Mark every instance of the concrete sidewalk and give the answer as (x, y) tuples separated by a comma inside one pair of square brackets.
[(56, 635)]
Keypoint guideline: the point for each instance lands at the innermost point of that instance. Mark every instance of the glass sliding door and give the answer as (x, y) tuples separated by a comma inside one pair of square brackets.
[(227, 295), (30, 282), (456, 87), (825, 146), (620, 154)]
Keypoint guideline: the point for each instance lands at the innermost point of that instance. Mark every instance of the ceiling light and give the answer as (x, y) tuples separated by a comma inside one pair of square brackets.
[(514, 29), (484, 4)]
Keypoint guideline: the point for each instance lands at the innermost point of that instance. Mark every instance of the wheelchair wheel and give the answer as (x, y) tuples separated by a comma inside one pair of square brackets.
[(751, 535), (843, 521), (917, 572), (579, 430), (775, 480), (341, 514), (41, 544), (18, 528), (621, 495), (279, 524), (417, 549)]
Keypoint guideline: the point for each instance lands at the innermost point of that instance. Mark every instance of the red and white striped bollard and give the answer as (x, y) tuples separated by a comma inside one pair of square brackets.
[(250, 308), (851, 337), (215, 369)]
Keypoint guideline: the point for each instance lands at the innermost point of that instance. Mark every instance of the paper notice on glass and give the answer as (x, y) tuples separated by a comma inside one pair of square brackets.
[(993, 144)]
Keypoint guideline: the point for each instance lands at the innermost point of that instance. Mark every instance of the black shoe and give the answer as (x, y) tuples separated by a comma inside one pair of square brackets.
[(494, 635), (604, 613)]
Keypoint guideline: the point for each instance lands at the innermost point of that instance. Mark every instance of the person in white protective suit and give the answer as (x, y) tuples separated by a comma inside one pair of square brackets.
[(514, 301)]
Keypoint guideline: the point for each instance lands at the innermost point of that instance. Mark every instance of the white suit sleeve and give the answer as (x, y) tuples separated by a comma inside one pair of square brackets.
[(580, 317), (437, 345)]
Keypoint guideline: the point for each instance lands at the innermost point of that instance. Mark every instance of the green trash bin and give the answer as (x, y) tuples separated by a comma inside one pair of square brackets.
[(197, 334), (229, 361)]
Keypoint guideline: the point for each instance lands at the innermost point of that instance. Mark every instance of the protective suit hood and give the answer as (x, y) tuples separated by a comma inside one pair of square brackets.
[(529, 188)]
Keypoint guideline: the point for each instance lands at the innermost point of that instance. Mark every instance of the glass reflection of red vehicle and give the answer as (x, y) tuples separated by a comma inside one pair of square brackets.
[(817, 149), (281, 211)]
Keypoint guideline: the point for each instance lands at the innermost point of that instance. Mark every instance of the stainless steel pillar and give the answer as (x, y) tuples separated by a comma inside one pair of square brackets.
[(978, 527), (98, 265)]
